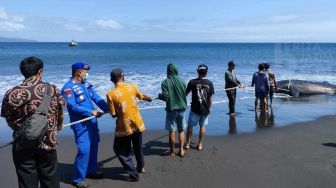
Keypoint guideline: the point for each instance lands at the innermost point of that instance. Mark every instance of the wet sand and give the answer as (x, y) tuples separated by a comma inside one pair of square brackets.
[(300, 155)]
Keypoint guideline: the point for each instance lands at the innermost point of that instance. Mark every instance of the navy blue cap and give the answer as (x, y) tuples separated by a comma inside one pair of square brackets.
[(80, 65)]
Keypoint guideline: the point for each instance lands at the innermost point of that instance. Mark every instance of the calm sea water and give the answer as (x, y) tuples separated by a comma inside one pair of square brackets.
[(145, 63)]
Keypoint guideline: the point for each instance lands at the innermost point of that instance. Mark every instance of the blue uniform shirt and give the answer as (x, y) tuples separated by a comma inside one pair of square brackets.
[(80, 99)]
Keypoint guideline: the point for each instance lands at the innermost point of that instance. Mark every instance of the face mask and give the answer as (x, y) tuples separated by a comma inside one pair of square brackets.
[(86, 77)]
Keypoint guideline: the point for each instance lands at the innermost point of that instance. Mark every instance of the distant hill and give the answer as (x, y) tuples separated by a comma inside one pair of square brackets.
[(5, 39)]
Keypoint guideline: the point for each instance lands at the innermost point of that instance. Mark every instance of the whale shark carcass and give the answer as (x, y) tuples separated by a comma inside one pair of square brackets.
[(302, 87)]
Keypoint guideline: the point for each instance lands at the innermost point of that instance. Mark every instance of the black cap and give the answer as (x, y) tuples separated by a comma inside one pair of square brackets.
[(116, 74), (231, 63), (202, 67)]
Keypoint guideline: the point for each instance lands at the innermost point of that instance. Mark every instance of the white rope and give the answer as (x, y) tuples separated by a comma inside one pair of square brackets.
[(76, 122), (63, 126), (237, 87), (231, 88)]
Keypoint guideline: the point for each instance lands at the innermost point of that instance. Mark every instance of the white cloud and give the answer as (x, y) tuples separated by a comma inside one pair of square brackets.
[(9, 22), (108, 24), (74, 27), (11, 26)]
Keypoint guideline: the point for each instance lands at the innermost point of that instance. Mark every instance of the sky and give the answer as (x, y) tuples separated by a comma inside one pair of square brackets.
[(169, 20)]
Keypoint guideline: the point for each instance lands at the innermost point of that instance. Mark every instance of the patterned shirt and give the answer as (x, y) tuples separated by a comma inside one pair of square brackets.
[(122, 102), (21, 101)]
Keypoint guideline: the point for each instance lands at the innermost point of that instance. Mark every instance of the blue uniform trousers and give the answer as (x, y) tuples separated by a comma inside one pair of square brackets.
[(87, 139)]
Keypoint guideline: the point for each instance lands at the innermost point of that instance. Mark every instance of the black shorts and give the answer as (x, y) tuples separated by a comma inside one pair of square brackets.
[(271, 91)]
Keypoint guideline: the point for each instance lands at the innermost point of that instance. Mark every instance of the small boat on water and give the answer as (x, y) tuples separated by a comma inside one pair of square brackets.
[(73, 43)]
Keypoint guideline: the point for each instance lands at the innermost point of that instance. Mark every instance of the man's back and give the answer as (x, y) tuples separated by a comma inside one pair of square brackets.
[(270, 76), (21, 101), (260, 81), (173, 90), (202, 90), (231, 79), (122, 101)]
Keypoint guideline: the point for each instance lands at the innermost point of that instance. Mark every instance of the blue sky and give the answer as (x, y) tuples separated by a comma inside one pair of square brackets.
[(170, 20)]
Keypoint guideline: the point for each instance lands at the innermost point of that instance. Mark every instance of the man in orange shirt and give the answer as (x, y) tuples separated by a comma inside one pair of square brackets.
[(122, 102)]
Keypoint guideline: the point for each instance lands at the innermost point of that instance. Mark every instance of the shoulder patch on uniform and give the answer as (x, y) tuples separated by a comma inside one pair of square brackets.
[(67, 92)]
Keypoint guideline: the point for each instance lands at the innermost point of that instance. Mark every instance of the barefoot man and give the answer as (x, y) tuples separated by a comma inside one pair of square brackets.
[(173, 93), (202, 90)]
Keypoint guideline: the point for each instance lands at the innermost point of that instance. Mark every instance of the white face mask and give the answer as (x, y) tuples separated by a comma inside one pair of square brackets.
[(86, 77)]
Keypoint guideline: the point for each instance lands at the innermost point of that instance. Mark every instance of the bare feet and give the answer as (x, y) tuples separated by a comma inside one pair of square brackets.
[(141, 170), (168, 153), (187, 146), (199, 147), (181, 153)]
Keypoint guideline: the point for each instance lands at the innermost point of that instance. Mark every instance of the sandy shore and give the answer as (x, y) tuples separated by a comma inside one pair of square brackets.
[(300, 155)]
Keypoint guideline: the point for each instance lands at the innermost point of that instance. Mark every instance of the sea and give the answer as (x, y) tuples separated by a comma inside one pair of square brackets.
[(145, 65)]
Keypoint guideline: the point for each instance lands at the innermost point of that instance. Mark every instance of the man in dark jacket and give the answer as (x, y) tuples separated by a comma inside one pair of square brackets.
[(38, 164), (173, 93), (231, 83)]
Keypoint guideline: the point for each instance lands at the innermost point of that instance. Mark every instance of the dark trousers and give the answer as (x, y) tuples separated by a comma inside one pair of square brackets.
[(231, 94), (122, 148), (34, 166)]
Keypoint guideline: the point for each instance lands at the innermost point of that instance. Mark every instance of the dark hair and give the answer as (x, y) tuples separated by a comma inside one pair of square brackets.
[(74, 71), (231, 63), (116, 74), (267, 65), (30, 66), (261, 66), (202, 72)]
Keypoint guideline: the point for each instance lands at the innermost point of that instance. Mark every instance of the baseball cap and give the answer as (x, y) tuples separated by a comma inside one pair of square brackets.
[(116, 74), (202, 67), (80, 65)]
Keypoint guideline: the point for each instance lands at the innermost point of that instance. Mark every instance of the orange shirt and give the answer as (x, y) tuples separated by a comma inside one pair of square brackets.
[(122, 102)]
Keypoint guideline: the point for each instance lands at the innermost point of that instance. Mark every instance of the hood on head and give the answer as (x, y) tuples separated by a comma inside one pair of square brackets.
[(172, 70)]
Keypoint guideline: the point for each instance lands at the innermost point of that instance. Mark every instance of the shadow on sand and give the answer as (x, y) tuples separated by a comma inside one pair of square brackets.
[(153, 147), (333, 145)]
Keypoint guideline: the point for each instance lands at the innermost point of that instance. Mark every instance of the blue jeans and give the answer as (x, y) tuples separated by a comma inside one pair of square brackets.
[(175, 120), (196, 119)]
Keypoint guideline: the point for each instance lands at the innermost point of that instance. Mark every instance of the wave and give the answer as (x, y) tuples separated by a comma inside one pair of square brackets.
[(151, 84)]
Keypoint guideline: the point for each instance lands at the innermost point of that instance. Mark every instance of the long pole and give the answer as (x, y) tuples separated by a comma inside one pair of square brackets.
[(63, 126)]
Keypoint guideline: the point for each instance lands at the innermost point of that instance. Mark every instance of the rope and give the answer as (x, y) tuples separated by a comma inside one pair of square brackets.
[(63, 126), (88, 118), (231, 88)]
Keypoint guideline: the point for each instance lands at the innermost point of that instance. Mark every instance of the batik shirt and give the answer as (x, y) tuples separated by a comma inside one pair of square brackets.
[(21, 101), (122, 102)]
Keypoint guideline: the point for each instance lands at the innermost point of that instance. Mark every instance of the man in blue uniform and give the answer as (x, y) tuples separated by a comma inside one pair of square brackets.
[(80, 98)]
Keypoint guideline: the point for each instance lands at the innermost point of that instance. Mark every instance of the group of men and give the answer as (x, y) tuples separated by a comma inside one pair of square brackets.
[(38, 165), (263, 81)]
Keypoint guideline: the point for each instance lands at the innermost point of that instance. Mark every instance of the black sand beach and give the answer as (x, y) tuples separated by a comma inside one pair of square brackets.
[(300, 155)]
